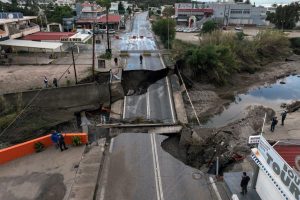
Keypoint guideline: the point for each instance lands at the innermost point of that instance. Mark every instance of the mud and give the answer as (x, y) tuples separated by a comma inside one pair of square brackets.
[(210, 100), (199, 147)]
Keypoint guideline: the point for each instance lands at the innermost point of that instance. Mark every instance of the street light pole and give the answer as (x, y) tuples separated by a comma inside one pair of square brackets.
[(74, 65), (168, 34), (93, 57)]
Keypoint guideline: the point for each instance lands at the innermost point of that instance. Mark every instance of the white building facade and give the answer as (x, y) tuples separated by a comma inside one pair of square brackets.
[(224, 12)]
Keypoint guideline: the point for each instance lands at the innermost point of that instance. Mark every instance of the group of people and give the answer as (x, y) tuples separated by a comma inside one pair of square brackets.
[(55, 82), (59, 140), (275, 121)]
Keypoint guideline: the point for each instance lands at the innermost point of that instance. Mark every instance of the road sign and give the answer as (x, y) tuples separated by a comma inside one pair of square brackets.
[(254, 139)]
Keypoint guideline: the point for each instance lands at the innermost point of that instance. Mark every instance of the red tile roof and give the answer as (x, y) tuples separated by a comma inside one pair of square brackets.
[(47, 36), (290, 153), (111, 18), (102, 19)]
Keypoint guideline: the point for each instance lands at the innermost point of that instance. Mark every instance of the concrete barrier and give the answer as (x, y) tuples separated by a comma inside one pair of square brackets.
[(27, 148)]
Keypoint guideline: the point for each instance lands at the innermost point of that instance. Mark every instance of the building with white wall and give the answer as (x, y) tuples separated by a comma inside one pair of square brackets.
[(225, 13)]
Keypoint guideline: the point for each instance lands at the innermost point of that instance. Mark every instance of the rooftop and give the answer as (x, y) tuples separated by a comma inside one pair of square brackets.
[(6, 21), (47, 36)]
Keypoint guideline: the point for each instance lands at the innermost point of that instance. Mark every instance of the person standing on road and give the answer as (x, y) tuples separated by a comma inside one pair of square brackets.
[(55, 82), (273, 124), (61, 142), (46, 81), (141, 59), (283, 116), (244, 183), (116, 61)]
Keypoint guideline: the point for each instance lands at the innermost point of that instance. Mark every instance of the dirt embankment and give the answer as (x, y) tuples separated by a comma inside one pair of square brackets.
[(199, 147), (210, 100)]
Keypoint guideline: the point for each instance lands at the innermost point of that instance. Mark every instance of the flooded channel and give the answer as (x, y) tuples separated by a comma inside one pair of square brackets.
[(283, 91)]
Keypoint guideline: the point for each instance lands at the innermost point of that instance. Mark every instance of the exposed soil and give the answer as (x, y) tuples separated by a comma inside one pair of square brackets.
[(199, 147), (210, 100)]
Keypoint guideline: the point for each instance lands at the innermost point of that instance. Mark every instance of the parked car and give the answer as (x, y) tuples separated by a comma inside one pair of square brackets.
[(111, 31), (238, 28)]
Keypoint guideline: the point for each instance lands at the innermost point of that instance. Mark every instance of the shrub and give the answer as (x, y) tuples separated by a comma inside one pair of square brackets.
[(38, 146), (165, 29), (209, 26), (76, 141)]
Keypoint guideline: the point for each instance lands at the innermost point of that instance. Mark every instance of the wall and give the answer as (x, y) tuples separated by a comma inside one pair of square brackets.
[(83, 96), (27, 148)]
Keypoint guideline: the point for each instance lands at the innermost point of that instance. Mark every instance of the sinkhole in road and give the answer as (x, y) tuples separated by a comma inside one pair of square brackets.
[(136, 82), (283, 91)]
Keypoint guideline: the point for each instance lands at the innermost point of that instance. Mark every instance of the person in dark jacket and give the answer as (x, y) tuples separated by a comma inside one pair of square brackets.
[(55, 82), (273, 123), (61, 142), (283, 116), (141, 59), (244, 183)]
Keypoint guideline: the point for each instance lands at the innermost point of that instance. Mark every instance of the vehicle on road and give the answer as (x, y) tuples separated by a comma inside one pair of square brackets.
[(238, 28), (111, 31)]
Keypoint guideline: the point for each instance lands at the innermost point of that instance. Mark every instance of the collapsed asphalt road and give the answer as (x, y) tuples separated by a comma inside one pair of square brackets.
[(137, 82)]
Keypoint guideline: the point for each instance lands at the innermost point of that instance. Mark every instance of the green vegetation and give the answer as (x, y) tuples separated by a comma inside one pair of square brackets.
[(165, 29), (168, 11), (220, 55), (209, 26), (121, 8), (286, 16), (56, 13), (76, 141), (38, 146)]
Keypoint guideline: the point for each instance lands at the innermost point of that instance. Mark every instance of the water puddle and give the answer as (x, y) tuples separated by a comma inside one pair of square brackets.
[(268, 95)]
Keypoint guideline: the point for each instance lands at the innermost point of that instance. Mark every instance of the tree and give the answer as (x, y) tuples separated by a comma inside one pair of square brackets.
[(129, 11), (209, 26), (165, 29), (215, 62), (247, 2), (121, 8), (168, 11), (285, 17), (58, 13)]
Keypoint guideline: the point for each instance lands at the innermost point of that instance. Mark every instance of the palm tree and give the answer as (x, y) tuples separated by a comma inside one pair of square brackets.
[(106, 4)]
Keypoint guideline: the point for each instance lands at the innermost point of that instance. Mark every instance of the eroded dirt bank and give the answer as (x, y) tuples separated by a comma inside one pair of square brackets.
[(210, 100)]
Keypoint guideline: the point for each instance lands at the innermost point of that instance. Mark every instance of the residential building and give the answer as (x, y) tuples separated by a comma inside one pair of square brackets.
[(70, 3), (15, 25), (226, 13), (87, 14), (114, 6)]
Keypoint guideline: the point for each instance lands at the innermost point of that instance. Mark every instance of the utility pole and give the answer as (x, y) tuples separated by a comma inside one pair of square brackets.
[(168, 33), (108, 50), (93, 57), (74, 66)]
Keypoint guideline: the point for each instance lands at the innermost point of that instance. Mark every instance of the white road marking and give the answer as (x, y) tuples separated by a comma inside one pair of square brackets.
[(124, 108), (158, 169), (148, 104), (154, 166), (111, 145), (158, 182), (211, 180), (169, 92)]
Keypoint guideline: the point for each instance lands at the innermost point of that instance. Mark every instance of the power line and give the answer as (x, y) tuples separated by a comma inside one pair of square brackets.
[(31, 101)]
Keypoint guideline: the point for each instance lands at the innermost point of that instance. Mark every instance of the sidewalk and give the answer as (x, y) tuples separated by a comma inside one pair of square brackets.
[(291, 129)]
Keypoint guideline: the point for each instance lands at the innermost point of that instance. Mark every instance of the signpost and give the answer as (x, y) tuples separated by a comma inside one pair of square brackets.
[(285, 179)]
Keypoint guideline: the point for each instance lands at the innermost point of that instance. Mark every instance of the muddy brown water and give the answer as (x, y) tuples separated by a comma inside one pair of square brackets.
[(285, 90)]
